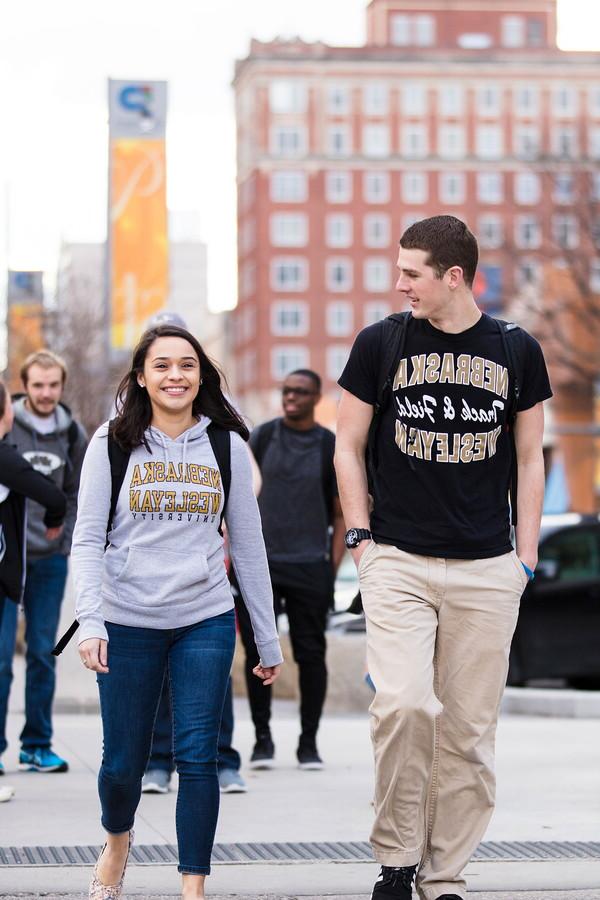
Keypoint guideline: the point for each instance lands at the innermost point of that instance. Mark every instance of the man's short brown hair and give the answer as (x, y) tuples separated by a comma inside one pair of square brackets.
[(447, 241), (47, 360)]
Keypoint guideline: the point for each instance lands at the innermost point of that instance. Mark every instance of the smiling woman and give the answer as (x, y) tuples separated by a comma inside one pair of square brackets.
[(165, 609)]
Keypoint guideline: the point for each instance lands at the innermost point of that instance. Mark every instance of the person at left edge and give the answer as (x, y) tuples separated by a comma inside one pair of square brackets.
[(47, 435), (18, 482), (165, 606)]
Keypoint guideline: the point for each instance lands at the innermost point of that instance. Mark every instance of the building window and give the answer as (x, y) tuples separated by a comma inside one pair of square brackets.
[(564, 101), (564, 187), (594, 101), (409, 219), (338, 229), (529, 272), (375, 311), (289, 187), (338, 187), (288, 140), (594, 143), (375, 99), (414, 99), (490, 232), (289, 319), (526, 141), (564, 141), (452, 187), (489, 100), (535, 33), (451, 100), (287, 96), (338, 99), (595, 276), (289, 274), (527, 188), (528, 233), (490, 187), (401, 31), (248, 279), (376, 141), (376, 230), (376, 187), (337, 357), (513, 31), (424, 31), (289, 230), (565, 231), (339, 275), (286, 359), (376, 275), (451, 141), (527, 100), (415, 187), (489, 142), (339, 319), (339, 140), (414, 141)]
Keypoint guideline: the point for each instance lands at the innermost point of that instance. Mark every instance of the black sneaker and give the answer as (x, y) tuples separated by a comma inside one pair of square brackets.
[(308, 757), (263, 755), (394, 883), (449, 897)]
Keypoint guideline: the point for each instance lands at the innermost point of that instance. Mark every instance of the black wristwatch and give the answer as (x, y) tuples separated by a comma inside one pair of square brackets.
[(355, 535)]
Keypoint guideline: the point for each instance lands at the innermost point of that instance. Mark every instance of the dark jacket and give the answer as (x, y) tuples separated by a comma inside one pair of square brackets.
[(19, 480), (59, 455)]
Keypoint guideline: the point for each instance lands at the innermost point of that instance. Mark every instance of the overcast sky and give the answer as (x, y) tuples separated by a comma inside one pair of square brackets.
[(55, 58)]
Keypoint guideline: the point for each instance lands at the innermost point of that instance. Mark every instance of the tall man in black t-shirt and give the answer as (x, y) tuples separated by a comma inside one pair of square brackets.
[(439, 579), (299, 506)]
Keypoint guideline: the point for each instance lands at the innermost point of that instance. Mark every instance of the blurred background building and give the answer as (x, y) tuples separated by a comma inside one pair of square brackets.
[(469, 109)]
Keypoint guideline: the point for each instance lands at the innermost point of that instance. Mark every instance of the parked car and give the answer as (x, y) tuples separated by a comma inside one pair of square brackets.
[(558, 631)]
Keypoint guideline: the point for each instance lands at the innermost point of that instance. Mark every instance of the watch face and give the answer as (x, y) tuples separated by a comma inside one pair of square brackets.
[(352, 538)]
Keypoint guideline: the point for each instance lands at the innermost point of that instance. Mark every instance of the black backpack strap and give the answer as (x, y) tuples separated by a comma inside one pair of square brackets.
[(513, 344), (264, 433), (392, 348), (328, 478), (72, 435), (118, 459), (220, 441)]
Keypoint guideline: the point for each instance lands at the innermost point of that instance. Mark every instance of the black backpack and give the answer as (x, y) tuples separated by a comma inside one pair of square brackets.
[(395, 328), (220, 441)]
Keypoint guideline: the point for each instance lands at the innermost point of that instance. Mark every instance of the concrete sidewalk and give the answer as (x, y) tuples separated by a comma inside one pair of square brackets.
[(548, 790)]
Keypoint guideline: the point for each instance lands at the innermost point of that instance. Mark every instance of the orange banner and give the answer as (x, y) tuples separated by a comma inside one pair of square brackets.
[(25, 326), (139, 264)]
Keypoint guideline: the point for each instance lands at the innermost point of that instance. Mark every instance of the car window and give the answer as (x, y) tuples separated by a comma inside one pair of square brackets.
[(575, 554)]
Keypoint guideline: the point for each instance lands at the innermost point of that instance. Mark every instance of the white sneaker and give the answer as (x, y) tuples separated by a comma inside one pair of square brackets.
[(6, 793), (231, 782), (156, 781)]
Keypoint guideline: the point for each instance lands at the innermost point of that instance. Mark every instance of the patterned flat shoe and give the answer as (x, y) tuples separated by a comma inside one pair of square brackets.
[(99, 891)]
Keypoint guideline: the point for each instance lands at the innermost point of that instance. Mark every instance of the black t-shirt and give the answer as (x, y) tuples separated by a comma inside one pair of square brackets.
[(444, 454), (298, 485)]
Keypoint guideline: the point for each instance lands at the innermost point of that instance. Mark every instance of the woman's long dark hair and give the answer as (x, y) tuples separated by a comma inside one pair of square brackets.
[(134, 410)]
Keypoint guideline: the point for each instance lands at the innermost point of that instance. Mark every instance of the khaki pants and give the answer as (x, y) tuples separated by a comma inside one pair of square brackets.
[(438, 639)]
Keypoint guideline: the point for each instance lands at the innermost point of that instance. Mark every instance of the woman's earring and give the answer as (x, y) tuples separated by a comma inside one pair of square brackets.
[(201, 380)]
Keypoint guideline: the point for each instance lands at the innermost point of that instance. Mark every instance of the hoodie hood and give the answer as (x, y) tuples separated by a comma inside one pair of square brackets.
[(62, 414)]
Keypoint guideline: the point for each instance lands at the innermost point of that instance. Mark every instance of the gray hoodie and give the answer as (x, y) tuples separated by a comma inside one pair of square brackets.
[(51, 455), (164, 566)]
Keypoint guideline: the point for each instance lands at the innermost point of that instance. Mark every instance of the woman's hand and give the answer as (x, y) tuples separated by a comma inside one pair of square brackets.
[(267, 674), (94, 654)]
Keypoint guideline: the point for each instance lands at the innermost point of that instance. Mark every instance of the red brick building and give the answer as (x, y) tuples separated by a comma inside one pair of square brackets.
[(459, 106)]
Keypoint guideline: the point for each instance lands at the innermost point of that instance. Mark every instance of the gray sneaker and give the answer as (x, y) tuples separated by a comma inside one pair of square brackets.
[(156, 781), (231, 782)]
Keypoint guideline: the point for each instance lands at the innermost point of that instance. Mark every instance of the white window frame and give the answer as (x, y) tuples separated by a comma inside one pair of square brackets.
[(490, 231), (565, 149), (526, 141), (424, 30), (533, 240), (336, 147), (379, 222), (382, 193), (409, 219), (564, 188), (377, 274), (513, 31), (288, 229), (489, 141), (595, 275), (489, 101), (529, 271), (376, 98), (338, 99), (490, 187), (567, 223), (287, 186), (336, 357), (414, 140), (455, 195), (594, 142), (341, 264), (415, 187), (401, 30), (526, 100), (339, 229), (338, 187), (376, 141), (565, 101), (300, 284), (287, 95), (281, 144), (339, 318), (451, 99), (528, 188), (451, 141), (414, 98), (298, 357), (290, 318), (374, 311)]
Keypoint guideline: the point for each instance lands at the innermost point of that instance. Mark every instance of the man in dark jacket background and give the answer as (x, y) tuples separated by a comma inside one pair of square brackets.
[(48, 437)]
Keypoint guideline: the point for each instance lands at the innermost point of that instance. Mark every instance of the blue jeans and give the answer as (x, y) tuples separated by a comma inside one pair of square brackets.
[(161, 756), (198, 660), (44, 589)]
